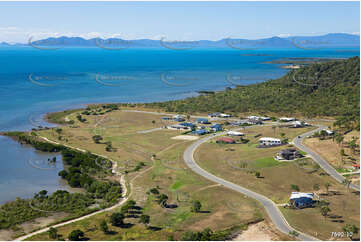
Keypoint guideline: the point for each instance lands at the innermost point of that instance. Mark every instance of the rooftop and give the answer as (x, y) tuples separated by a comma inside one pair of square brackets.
[(269, 139), (295, 195)]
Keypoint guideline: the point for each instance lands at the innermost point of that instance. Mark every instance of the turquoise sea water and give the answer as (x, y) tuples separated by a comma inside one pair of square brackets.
[(33, 82)]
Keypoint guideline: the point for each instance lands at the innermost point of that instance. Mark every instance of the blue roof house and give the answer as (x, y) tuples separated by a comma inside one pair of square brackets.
[(203, 121), (188, 124), (301, 200), (200, 132), (216, 127), (179, 119)]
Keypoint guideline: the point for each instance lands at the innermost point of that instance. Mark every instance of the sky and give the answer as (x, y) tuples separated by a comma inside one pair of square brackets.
[(175, 20)]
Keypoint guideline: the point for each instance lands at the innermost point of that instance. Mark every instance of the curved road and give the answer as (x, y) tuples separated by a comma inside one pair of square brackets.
[(324, 164), (276, 216)]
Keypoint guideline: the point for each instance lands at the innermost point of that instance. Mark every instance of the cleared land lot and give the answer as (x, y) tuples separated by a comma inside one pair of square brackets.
[(330, 150), (228, 161)]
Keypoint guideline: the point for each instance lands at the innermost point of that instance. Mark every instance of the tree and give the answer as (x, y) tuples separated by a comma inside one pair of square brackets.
[(196, 206), (76, 235), (53, 233), (350, 230), (58, 130), (257, 174), (327, 186), (339, 138), (274, 130), (162, 199), (155, 191), (324, 211), (117, 219), (316, 187), (347, 182), (295, 187), (342, 153), (97, 138), (109, 146), (153, 121), (144, 219), (293, 233), (43, 193), (104, 226)]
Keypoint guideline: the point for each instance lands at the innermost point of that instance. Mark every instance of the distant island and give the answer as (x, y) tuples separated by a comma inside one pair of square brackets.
[(331, 40)]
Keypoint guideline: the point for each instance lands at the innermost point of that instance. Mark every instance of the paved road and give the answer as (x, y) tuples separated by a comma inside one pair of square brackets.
[(324, 164), (274, 213)]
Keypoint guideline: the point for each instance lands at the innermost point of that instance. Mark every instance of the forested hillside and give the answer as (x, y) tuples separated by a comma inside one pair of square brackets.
[(328, 89)]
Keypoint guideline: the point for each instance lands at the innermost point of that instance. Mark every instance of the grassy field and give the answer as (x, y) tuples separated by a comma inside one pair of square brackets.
[(221, 207), (237, 163)]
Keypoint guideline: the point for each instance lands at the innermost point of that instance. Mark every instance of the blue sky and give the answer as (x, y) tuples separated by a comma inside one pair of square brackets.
[(175, 20)]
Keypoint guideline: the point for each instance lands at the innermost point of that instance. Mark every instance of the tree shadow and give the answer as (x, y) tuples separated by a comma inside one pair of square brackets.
[(204, 211), (127, 225), (111, 232), (154, 228), (170, 206)]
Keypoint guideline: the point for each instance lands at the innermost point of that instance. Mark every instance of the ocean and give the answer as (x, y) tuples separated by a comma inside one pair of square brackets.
[(34, 82)]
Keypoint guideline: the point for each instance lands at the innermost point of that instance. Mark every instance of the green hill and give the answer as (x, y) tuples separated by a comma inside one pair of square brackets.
[(327, 89)]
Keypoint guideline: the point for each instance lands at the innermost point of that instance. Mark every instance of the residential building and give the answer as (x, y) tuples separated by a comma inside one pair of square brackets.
[(234, 133), (216, 127), (267, 141), (301, 200), (288, 154), (224, 115), (213, 115), (203, 121), (285, 119), (201, 132)]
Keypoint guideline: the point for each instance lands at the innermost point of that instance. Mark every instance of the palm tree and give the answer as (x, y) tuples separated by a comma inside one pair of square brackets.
[(327, 186), (347, 183), (324, 211), (274, 130)]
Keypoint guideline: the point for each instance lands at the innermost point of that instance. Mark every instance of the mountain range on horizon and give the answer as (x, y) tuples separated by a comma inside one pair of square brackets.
[(311, 42)]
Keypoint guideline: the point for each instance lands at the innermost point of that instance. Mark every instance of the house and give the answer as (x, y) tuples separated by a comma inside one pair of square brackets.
[(166, 118), (177, 116), (285, 119), (356, 166), (329, 132), (223, 115), (234, 133), (297, 124), (267, 141), (254, 117), (288, 154), (265, 118), (179, 119), (254, 121), (226, 140), (190, 125), (200, 132), (301, 200), (213, 115), (203, 121), (216, 127)]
